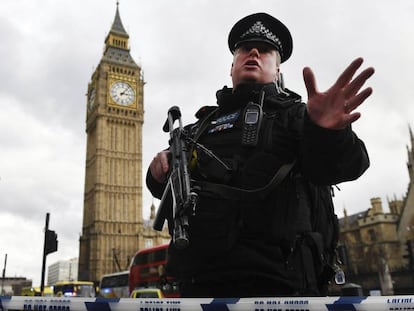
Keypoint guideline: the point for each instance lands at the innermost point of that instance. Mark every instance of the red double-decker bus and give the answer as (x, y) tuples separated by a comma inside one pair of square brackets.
[(147, 270)]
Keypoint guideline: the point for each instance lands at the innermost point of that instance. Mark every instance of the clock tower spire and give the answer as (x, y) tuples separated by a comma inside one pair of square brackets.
[(117, 36), (112, 213)]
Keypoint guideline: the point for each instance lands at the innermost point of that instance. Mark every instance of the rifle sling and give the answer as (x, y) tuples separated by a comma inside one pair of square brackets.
[(229, 192), (203, 124)]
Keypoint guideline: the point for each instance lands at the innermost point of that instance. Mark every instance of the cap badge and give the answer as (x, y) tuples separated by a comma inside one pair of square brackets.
[(259, 29)]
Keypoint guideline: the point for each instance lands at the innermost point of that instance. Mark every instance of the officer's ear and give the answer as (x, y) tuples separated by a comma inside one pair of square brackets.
[(231, 70), (277, 74), (278, 62)]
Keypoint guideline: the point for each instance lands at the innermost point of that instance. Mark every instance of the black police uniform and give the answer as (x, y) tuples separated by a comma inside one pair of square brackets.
[(244, 245)]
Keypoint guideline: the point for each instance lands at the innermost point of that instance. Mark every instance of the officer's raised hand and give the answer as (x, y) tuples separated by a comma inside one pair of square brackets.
[(334, 108), (159, 166)]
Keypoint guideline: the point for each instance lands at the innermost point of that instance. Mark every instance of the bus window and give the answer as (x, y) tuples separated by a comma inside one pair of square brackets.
[(147, 271), (114, 285)]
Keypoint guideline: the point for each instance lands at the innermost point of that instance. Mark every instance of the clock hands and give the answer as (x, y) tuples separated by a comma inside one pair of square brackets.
[(122, 93), (126, 91)]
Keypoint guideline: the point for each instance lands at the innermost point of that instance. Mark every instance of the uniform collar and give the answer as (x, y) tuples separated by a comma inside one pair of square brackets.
[(229, 100)]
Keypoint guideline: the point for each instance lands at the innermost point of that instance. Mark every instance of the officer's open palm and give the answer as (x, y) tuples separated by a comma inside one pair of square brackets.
[(334, 108)]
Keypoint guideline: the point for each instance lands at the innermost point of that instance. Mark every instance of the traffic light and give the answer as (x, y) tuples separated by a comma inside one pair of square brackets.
[(51, 242)]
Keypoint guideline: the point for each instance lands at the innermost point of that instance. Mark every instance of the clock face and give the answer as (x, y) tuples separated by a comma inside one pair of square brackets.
[(91, 99), (122, 93)]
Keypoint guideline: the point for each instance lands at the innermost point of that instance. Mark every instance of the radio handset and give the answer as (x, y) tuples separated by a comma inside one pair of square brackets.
[(251, 124)]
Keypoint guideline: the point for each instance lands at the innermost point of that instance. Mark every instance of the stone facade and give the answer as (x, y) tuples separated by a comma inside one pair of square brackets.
[(406, 225), (375, 242), (10, 286), (113, 228)]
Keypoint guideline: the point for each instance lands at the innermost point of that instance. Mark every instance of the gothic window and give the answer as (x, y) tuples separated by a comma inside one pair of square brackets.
[(372, 235)]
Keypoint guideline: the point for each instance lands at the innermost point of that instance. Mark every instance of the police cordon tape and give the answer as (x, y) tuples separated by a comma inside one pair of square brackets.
[(377, 303)]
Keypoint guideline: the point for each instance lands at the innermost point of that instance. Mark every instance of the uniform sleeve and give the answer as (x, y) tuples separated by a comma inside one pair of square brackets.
[(153, 186), (331, 156)]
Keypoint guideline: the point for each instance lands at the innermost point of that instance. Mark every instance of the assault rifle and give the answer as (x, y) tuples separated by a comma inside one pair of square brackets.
[(178, 192)]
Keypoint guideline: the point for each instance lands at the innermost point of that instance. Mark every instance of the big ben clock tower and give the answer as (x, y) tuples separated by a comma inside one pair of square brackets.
[(112, 215)]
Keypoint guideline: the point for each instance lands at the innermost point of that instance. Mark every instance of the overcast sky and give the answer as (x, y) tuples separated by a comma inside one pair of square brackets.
[(49, 49)]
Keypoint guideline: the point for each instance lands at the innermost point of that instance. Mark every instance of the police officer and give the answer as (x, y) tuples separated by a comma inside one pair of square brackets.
[(242, 237)]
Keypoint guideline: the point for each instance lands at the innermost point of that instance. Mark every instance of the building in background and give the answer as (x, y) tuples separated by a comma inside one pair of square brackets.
[(113, 228), (372, 245), (378, 247), (151, 237), (406, 224), (12, 286), (63, 270)]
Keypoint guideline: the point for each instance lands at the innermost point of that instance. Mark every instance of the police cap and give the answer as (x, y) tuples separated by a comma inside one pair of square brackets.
[(262, 27)]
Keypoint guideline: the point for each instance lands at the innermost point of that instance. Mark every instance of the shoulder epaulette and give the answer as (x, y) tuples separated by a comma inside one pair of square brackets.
[(293, 95), (286, 98), (204, 111)]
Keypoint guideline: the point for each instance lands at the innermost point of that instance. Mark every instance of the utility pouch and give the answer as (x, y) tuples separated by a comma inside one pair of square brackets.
[(315, 242), (308, 275), (322, 265)]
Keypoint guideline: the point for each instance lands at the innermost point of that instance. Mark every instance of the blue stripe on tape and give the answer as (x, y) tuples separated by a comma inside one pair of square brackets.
[(4, 298), (345, 303), (219, 304), (100, 304)]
